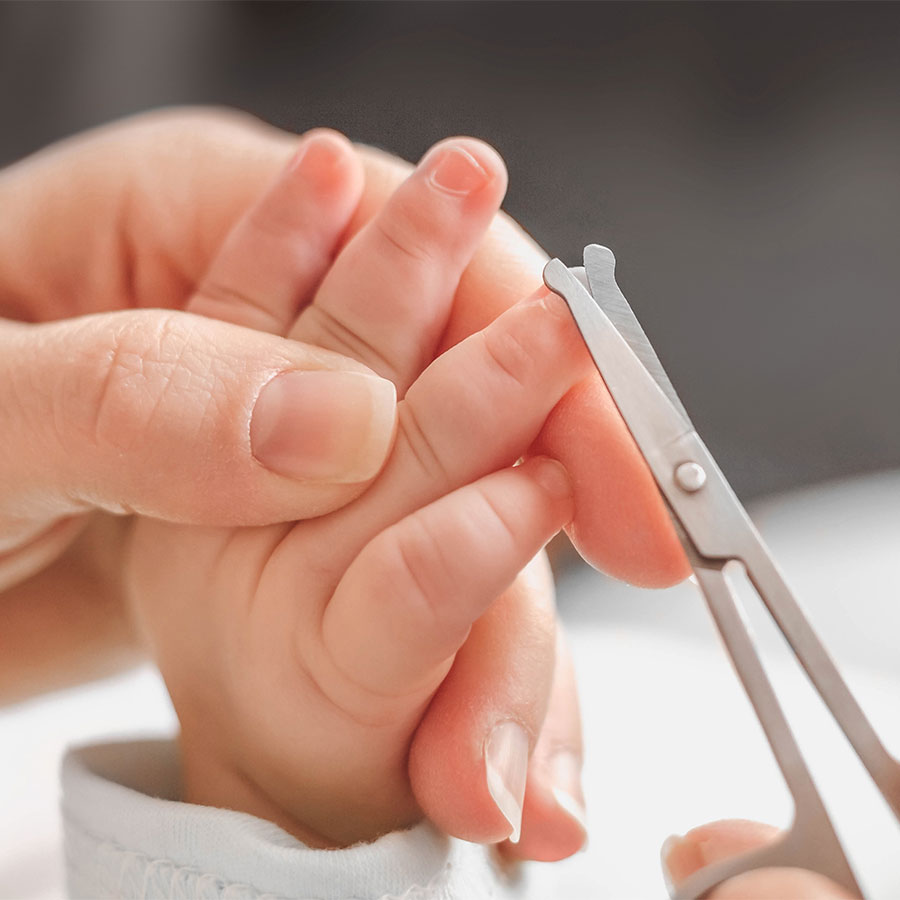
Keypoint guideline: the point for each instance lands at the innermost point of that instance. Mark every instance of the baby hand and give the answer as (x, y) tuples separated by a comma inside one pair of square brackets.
[(302, 658)]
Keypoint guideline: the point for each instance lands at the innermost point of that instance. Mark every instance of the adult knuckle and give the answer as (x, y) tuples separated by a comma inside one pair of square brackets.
[(145, 363)]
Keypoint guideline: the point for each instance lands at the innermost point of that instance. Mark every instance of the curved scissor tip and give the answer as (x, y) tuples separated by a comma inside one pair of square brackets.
[(596, 255), (601, 260), (555, 276)]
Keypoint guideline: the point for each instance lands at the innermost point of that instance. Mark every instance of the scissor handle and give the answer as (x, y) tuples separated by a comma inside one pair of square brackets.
[(811, 843), (717, 529), (882, 767)]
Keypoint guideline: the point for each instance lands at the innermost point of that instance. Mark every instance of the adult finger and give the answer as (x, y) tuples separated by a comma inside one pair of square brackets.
[(469, 758), (275, 256), (183, 418), (682, 856), (387, 298), (554, 823), (407, 602)]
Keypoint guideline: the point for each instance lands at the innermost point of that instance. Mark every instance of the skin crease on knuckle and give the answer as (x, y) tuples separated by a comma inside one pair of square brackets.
[(151, 384), (138, 366)]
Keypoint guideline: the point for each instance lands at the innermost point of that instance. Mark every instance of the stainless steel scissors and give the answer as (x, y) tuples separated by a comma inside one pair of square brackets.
[(715, 530)]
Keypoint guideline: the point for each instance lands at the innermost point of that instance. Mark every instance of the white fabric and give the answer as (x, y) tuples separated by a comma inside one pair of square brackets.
[(127, 836)]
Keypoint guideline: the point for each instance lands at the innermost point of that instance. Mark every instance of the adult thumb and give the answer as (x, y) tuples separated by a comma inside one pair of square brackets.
[(183, 418)]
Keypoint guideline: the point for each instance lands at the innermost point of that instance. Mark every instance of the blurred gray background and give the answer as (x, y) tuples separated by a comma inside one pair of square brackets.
[(743, 160)]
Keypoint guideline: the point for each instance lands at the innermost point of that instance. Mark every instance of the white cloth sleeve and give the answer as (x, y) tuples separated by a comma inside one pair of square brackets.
[(127, 835)]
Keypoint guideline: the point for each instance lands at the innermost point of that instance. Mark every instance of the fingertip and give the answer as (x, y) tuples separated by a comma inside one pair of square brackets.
[(566, 789), (323, 425), (552, 478), (550, 475), (330, 135), (327, 160), (444, 752), (554, 822), (679, 858), (502, 675), (683, 855), (555, 819), (468, 166)]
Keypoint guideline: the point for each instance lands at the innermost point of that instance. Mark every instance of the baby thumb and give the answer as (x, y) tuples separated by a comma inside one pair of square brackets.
[(183, 418)]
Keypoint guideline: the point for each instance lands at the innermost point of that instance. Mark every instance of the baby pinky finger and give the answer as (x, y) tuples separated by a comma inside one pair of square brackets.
[(407, 602)]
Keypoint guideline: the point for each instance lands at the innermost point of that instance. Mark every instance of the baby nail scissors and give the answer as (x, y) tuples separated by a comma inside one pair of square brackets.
[(715, 530)]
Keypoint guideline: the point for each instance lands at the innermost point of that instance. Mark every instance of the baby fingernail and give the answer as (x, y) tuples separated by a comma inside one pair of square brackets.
[(565, 769), (323, 425), (506, 769), (456, 171)]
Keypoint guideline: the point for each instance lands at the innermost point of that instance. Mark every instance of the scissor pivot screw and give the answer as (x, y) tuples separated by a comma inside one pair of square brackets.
[(690, 476)]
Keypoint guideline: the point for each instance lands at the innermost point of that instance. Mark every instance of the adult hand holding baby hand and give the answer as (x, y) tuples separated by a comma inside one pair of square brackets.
[(304, 664), (161, 194), (110, 407), (164, 413)]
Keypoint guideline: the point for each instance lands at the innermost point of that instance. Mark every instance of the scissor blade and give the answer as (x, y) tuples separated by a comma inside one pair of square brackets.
[(600, 269), (652, 419)]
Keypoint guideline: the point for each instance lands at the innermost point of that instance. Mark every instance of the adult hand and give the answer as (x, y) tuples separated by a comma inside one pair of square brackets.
[(145, 411)]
